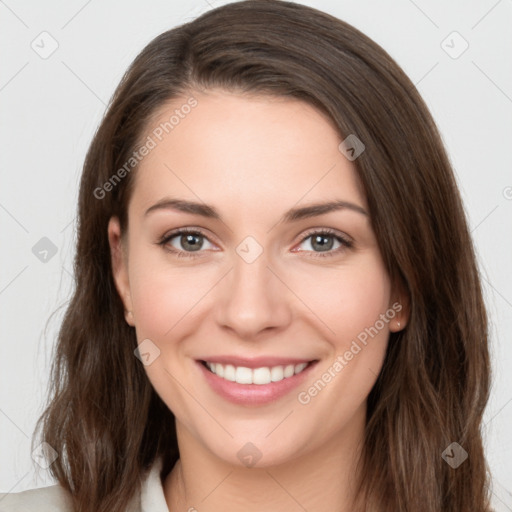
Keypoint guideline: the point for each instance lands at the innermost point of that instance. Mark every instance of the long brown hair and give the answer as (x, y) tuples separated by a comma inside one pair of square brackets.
[(104, 418)]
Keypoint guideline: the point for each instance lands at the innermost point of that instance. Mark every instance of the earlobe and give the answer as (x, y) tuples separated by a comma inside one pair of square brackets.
[(401, 307), (120, 267), (128, 316), (398, 323)]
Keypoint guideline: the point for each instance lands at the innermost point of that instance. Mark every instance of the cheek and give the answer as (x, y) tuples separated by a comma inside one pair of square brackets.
[(164, 294), (344, 301), (348, 300), (351, 306), (155, 306), (365, 298)]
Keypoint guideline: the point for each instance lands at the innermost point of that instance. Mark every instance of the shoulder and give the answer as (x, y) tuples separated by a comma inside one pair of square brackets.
[(56, 499), (45, 499)]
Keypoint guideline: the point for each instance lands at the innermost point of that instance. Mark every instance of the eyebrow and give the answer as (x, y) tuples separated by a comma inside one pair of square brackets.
[(291, 215)]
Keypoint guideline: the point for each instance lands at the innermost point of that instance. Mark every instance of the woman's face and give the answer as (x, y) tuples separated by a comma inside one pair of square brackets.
[(268, 282)]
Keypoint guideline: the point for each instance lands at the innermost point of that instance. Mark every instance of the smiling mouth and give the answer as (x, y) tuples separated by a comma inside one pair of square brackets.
[(258, 376)]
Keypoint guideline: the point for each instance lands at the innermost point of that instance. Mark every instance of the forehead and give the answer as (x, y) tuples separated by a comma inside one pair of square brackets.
[(257, 151)]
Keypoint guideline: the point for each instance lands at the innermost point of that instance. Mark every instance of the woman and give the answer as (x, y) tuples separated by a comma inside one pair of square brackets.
[(277, 304)]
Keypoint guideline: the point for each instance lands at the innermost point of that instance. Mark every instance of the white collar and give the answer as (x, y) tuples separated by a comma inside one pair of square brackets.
[(152, 498)]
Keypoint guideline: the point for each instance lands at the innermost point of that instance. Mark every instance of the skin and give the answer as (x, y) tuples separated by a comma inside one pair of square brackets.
[(253, 158)]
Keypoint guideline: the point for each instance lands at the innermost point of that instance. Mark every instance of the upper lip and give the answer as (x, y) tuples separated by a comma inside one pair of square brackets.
[(256, 362)]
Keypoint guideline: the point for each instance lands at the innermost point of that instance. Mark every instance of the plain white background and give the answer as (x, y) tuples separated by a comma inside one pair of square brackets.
[(52, 104)]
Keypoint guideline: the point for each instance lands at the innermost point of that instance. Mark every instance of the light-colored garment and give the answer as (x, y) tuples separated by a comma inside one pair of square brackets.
[(56, 499)]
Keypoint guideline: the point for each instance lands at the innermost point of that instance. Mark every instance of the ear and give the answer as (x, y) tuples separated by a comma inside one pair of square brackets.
[(400, 304), (119, 261)]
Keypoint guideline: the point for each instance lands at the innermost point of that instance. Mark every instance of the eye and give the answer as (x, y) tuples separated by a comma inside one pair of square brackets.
[(190, 240), (324, 240)]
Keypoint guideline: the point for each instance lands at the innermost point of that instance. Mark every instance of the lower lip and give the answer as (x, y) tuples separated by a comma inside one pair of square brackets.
[(253, 394)]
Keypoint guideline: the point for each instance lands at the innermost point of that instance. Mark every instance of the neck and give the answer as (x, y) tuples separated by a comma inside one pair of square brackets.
[(322, 479)]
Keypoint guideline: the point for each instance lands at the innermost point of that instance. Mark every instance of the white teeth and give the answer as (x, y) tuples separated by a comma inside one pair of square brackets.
[(289, 371), (259, 376), (243, 375), (300, 367), (229, 372), (276, 373)]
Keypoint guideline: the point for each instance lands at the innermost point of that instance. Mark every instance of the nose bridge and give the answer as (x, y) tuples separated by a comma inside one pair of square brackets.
[(253, 298)]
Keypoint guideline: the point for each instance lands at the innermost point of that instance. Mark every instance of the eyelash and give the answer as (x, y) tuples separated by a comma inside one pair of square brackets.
[(346, 244)]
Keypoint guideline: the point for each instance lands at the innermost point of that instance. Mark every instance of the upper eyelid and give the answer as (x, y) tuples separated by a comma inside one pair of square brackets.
[(308, 233), (185, 231)]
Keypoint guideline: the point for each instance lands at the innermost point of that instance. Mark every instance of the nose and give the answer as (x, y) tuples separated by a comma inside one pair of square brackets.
[(253, 298)]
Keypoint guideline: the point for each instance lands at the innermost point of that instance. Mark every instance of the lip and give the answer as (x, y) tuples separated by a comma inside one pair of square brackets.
[(254, 394)]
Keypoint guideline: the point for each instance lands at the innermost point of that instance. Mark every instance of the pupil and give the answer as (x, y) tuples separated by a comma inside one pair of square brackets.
[(188, 238), (325, 246)]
